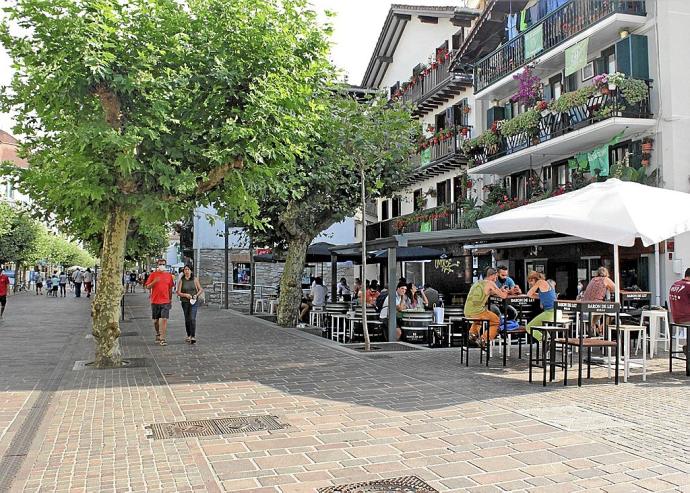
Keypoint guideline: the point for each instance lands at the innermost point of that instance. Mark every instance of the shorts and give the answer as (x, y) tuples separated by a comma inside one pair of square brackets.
[(160, 311), (3, 300), (39, 284)]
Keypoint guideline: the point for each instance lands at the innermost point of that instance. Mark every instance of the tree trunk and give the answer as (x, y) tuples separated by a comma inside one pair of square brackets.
[(105, 311), (291, 281)]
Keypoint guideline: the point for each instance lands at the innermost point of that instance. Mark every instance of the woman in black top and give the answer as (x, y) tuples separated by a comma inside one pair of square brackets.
[(189, 290)]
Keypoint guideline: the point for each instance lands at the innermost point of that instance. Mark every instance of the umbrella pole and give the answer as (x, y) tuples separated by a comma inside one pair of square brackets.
[(617, 272), (657, 274)]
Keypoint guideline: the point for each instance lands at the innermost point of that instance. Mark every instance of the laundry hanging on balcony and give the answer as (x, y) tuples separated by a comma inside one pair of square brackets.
[(576, 57), (599, 157), (534, 41)]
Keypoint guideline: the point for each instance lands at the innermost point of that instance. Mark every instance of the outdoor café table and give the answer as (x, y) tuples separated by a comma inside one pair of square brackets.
[(520, 302), (549, 335), (431, 332)]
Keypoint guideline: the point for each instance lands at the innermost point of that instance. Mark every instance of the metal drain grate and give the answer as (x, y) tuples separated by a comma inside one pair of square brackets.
[(212, 427), (126, 363), (407, 484), (129, 333), (385, 347)]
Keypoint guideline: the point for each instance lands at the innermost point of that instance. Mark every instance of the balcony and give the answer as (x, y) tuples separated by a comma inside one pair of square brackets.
[(440, 218), (433, 86), (598, 20), (563, 134), (439, 155)]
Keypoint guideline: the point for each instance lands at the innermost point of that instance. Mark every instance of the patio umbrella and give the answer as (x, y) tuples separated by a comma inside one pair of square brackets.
[(613, 212)]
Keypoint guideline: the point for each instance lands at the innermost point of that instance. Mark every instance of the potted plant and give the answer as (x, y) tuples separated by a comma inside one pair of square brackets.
[(573, 99), (527, 122), (615, 79), (634, 90), (601, 82), (542, 107)]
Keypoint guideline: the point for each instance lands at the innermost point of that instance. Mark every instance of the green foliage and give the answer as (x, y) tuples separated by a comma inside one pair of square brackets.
[(18, 233), (153, 106), (58, 250), (527, 122), (634, 90), (573, 99), (376, 135)]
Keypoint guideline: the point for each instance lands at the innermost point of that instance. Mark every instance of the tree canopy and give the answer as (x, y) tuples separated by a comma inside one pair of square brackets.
[(58, 250), (375, 137), (18, 234), (143, 109)]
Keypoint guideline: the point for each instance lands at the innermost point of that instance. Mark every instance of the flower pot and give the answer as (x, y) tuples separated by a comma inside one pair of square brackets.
[(612, 87), (644, 162), (545, 113), (604, 90)]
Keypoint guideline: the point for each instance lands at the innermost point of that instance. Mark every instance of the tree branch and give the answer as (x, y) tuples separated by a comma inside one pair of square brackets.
[(217, 175)]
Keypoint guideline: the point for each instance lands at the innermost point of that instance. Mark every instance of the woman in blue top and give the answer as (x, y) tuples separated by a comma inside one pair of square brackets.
[(540, 289)]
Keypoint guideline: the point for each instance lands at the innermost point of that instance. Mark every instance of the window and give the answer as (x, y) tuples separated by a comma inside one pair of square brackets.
[(384, 210), (417, 199), (571, 82), (458, 192), (553, 89), (458, 38), (443, 192), (562, 175), (521, 187), (396, 206), (547, 178)]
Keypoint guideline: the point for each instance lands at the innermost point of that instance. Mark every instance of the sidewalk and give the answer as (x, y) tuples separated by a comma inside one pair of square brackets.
[(350, 417)]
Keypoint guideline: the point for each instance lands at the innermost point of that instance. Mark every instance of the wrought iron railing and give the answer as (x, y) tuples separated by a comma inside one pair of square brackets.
[(444, 148), (599, 107), (560, 25), (437, 77), (441, 218)]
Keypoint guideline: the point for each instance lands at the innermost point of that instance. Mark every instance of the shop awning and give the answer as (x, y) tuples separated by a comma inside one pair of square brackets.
[(562, 240)]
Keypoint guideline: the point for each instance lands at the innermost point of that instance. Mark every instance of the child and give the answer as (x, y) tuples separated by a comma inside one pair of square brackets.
[(49, 286)]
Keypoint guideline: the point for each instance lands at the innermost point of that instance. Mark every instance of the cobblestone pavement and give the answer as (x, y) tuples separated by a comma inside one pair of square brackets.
[(351, 417)]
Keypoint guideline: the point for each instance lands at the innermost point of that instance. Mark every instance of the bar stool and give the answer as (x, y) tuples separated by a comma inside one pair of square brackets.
[(626, 330), (272, 306), (655, 317), (260, 302), (316, 316)]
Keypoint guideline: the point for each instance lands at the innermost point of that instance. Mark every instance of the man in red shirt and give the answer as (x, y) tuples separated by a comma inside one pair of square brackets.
[(679, 296), (161, 284), (4, 285)]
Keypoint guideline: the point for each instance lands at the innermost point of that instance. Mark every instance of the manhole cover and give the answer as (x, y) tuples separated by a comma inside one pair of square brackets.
[(407, 484), (248, 424), (126, 363), (573, 418), (384, 347), (182, 429), (212, 427)]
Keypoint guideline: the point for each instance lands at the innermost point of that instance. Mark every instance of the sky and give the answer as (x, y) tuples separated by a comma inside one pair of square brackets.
[(356, 27)]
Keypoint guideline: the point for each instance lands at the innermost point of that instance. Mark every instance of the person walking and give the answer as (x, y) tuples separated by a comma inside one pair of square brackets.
[(63, 284), (54, 284), (88, 281), (189, 290), (39, 282), (77, 279), (4, 286), (161, 284)]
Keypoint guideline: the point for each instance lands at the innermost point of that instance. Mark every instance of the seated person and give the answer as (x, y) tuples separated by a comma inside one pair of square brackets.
[(679, 299), (541, 289), (506, 283), (372, 293), (475, 306), (344, 291), (400, 306), (416, 299), (431, 296), (317, 297)]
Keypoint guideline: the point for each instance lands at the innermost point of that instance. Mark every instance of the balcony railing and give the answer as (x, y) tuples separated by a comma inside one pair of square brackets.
[(560, 25), (440, 218), (444, 149), (433, 85), (599, 107)]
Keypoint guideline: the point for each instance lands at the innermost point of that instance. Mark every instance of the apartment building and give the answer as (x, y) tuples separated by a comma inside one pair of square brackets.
[(525, 99)]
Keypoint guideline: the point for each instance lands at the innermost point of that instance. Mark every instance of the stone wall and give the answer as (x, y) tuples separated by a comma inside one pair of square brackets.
[(211, 267)]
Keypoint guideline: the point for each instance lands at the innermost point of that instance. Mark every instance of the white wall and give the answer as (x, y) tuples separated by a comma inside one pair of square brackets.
[(417, 44), (671, 147)]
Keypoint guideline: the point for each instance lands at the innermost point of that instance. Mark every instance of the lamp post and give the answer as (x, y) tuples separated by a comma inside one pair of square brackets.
[(363, 303)]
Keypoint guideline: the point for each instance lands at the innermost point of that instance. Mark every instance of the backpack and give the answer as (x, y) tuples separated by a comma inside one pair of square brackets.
[(378, 304)]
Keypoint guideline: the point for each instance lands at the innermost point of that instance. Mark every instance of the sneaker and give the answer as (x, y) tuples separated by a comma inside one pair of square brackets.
[(192, 340)]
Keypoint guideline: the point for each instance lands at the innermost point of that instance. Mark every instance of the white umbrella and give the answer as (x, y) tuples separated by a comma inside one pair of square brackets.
[(613, 212)]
